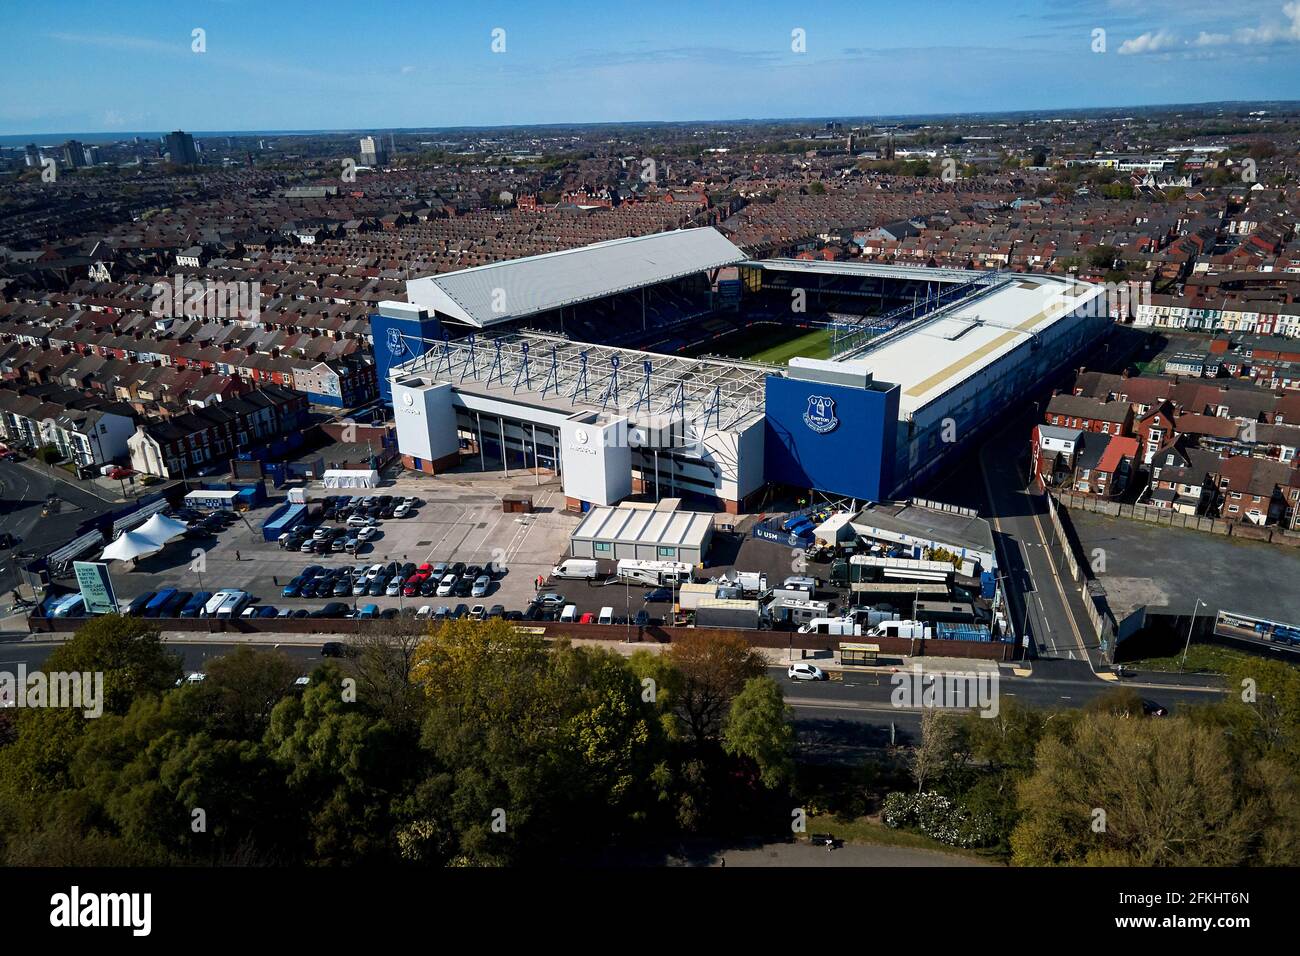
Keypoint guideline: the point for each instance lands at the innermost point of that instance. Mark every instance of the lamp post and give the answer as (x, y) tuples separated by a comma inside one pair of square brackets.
[(1187, 646)]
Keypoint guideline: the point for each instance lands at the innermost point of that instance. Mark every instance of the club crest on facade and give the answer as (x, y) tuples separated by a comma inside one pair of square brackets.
[(820, 416), (395, 344)]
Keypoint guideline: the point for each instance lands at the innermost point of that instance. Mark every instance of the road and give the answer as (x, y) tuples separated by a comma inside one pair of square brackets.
[(23, 488), (840, 715)]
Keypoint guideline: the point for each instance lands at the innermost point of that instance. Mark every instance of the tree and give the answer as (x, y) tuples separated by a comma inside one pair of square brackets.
[(933, 755), (385, 671), (758, 729), (241, 690), (1136, 791), (129, 653), (713, 669)]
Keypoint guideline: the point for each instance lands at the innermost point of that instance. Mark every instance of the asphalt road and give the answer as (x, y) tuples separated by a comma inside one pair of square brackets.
[(23, 488)]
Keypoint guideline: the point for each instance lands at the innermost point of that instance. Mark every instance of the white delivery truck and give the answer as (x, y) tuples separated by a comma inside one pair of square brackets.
[(908, 630), (582, 569), (654, 573), (836, 626), (749, 582)]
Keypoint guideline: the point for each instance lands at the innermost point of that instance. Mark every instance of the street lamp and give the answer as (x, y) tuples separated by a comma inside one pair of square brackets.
[(1197, 606)]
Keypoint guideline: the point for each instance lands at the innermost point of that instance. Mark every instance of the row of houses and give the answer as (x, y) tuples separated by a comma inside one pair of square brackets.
[(90, 432), (1226, 452)]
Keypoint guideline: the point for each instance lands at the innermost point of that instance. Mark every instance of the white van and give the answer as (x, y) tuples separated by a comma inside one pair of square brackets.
[(577, 569), (606, 616), (214, 603), (837, 626), (234, 604), (569, 614)]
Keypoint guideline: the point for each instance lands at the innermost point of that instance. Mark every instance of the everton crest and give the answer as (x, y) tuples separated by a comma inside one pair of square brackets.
[(395, 344), (820, 416)]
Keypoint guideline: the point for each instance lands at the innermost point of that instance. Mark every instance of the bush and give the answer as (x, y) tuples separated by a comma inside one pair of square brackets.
[(938, 817)]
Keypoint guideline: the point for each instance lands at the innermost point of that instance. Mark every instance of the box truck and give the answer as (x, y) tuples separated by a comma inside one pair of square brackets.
[(837, 626), (689, 595), (717, 612)]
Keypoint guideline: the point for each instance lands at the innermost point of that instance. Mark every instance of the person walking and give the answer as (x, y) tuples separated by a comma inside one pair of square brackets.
[(275, 579), (237, 557)]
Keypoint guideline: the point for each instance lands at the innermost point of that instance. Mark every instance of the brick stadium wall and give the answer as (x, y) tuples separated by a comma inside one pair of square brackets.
[(578, 632)]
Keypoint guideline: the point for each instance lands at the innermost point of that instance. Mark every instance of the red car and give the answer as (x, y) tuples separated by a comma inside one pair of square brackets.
[(119, 473)]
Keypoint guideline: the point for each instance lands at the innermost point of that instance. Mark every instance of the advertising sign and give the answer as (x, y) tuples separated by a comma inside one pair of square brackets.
[(96, 587)]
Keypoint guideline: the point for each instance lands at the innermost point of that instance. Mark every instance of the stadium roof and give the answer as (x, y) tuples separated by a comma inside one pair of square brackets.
[(516, 288), (874, 269), (553, 372), (930, 357)]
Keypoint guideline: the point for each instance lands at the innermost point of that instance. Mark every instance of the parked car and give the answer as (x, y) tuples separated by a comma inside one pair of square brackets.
[(478, 612), (497, 610), (461, 610), (394, 587), (446, 584), (480, 586), (334, 609), (425, 611)]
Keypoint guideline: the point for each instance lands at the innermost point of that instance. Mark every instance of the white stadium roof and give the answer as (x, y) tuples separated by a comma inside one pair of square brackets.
[(932, 356), (517, 288)]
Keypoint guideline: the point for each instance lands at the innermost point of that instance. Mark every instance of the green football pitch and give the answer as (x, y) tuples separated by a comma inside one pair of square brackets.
[(770, 343)]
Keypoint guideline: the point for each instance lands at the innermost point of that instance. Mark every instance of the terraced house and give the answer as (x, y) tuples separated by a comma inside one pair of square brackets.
[(266, 422)]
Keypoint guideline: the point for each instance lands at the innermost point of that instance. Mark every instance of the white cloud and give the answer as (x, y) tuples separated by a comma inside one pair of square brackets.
[(1268, 33), (1152, 41)]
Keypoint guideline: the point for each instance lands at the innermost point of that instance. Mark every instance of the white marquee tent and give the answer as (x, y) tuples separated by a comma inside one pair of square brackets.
[(161, 529), (350, 478), (130, 545)]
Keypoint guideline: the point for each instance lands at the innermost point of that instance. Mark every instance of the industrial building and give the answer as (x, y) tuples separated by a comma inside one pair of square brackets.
[(519, 364), (661, 533)]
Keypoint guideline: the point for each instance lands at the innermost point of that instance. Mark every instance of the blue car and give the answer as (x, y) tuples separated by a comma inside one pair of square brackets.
[(369, 611), (657, 595), (292, 589)]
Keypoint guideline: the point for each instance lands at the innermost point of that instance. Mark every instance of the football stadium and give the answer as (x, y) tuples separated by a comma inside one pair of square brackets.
[(672, 365)]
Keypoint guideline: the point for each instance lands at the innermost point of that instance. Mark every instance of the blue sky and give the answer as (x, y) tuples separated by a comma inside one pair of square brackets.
[(91, 66)]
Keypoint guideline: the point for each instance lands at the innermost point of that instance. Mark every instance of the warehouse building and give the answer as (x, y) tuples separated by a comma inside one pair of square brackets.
[(647, 534)]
